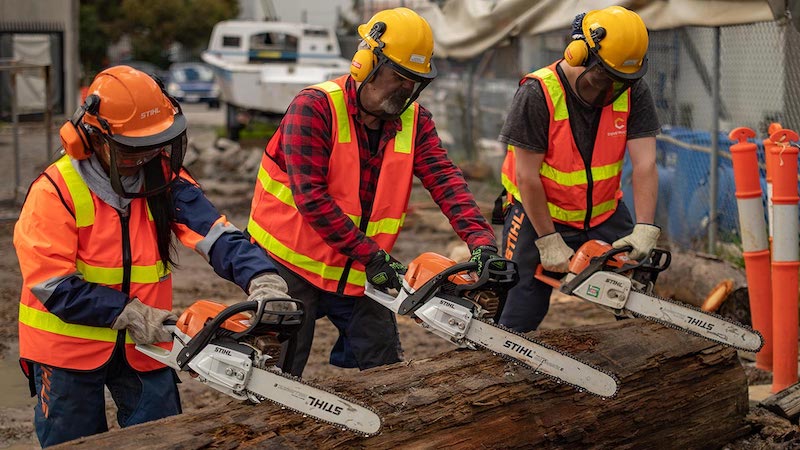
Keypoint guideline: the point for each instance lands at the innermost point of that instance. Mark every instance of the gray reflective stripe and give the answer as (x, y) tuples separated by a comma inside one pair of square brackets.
[(204, 246), (45, 289)]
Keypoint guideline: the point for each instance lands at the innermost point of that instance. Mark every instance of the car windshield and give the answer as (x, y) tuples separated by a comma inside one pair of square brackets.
[(192, 73)]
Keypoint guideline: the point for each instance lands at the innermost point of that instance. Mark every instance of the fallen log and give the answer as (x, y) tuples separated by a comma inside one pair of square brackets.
[(691, 277), (677, 391)]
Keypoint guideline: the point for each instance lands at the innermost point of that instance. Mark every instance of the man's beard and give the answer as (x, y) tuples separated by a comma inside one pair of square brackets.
[(394, 104)]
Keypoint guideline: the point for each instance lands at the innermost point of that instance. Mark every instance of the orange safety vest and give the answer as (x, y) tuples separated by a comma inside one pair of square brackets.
[(277, 225), (97, 247), (566, 180)]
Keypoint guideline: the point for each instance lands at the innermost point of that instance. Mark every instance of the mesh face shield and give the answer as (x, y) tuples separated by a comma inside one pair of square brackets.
[(597, 87), (162, 152), (395, 110)]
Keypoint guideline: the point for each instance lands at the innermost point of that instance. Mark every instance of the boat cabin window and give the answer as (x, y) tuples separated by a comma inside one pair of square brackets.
[(231, 41), (273, 47)]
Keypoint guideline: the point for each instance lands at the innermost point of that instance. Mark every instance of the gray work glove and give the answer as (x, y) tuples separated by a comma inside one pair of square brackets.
[(144, 323), (554, 253), (643, 239), (268, 286)]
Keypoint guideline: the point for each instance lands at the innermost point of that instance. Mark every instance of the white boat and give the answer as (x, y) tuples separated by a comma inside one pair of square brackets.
[(262, 65)]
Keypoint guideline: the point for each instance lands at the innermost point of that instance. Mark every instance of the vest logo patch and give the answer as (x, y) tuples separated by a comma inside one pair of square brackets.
[(619, 124)]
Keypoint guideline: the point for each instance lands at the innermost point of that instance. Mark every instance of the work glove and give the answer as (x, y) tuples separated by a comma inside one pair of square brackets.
[(643, 238), (554, 253), (144, 323), (385, 272), (482, 254), (268, 286)]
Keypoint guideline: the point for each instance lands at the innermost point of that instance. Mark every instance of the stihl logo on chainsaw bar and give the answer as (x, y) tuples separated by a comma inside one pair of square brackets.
[(224, 351), (446, 303), (700, 323), (518, 348), (323, 405)]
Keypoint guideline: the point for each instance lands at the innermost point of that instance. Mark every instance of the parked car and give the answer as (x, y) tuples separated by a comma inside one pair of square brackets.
[(193, 83)]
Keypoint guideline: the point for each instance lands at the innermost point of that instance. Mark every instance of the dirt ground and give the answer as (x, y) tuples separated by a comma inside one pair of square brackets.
[(426, 230)]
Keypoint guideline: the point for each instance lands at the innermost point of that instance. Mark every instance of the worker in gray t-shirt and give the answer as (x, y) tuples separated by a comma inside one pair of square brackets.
[(567, 131)]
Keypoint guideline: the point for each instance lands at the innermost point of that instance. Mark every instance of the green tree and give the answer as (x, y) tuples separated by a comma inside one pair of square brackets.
[(152, 25), (98, 27)]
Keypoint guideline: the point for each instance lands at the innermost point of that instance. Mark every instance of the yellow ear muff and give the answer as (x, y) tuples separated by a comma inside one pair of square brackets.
[(576, 53), (362, 64)]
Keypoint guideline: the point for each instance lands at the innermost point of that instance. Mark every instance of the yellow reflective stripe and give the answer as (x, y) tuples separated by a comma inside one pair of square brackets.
[(579, 176), (45, 321), (579, 215), (563, 178), (402, 140), (81, 197), (277, 248), (339, 107), (276, 188), (621, 103), (385, 226), (608, 171), (113, 275), (556, 93), (510, 187)]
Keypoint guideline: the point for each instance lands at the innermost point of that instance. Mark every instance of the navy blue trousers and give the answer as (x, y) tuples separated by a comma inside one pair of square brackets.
[(528, 302), (72, 404), (368, 334)]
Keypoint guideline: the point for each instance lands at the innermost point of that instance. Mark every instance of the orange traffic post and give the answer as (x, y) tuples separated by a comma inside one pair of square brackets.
[(755, 244), (769, 159), (785, 260)]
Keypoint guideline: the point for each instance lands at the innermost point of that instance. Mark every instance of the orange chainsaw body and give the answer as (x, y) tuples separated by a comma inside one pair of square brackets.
[(195, 317), (428, 265), (592, 249)]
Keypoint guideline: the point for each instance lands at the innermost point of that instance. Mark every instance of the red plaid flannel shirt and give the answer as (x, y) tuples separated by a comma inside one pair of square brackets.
[(306, 143)]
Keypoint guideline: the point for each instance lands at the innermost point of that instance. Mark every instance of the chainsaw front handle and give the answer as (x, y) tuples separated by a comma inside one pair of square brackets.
[(539, 275)]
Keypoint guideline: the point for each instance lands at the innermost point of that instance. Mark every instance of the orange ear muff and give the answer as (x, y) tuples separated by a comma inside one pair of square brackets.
[(577, 53), (362, 64), (74, 137), (74, 141)]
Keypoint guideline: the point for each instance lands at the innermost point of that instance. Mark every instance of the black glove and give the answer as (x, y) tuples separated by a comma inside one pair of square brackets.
[(385, 272), (484, 253)]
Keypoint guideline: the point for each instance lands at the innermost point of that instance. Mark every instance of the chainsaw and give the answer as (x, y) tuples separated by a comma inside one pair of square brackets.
[(235, 353), (450, 300), (606, 276)]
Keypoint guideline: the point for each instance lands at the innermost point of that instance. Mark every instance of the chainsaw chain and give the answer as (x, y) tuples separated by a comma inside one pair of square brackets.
[(547, 346), (275, 370), (694, 308)]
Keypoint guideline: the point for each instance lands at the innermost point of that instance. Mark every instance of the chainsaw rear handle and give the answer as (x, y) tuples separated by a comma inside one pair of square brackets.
[(287, 321)]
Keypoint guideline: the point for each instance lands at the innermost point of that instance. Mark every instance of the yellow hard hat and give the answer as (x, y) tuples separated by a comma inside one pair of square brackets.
[(618, 37), (405, 39)]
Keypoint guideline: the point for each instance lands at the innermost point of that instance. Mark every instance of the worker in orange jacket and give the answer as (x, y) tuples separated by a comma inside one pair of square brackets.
[(94, 242), (567, 132)]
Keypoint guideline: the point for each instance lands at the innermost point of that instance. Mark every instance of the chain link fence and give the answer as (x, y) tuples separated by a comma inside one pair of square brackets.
[(758, 83)]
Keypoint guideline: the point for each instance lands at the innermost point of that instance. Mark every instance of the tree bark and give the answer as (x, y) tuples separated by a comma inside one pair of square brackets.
[(692, 276), (676, 391)]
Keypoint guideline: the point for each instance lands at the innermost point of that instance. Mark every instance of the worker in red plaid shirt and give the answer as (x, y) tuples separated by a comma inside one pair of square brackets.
[(334, 185)]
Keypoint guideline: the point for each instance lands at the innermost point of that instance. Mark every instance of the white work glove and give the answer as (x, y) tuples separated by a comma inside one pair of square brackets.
[(554, 253), (144, 323), (643, 238), (267, 286)]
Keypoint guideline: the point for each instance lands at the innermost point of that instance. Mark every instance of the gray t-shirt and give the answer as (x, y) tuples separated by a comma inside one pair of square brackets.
[(528, 120)]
